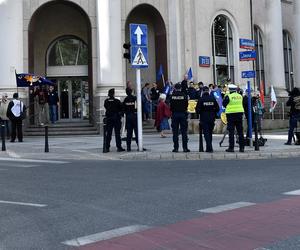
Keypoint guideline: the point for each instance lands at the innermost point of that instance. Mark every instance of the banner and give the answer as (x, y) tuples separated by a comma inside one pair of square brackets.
[(30, 80)]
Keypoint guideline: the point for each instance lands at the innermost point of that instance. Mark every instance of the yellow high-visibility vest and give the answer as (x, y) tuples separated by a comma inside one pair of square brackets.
[(235, 104)]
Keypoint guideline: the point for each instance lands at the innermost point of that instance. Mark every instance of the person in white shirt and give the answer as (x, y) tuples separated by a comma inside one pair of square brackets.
[(15, 112)]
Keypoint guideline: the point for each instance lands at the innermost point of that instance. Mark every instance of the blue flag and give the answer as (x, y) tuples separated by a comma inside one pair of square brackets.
[(218, 96), (190, 74), (160, 73), (30, 80)]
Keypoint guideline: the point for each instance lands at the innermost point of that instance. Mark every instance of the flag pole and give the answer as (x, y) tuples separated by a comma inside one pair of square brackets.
[(163, 78)]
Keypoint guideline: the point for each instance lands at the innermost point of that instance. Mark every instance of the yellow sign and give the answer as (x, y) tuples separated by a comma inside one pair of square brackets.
[(192, 106)]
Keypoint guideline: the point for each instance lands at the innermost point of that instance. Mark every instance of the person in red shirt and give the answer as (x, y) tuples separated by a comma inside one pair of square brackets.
[(163, 114)]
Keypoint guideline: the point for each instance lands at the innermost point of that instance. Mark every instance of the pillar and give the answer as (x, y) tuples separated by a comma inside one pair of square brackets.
[(275, 45), (11, 48), (297, 43), (110, 74), (175, 41)]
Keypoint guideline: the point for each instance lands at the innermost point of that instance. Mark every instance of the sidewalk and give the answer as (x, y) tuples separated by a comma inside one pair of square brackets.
[(90, 148)]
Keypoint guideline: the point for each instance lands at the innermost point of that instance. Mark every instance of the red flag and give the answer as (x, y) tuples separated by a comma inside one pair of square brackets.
[(262, 93)]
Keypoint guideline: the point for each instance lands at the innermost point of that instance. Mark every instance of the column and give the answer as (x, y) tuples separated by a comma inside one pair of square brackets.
[(275, 45), (175, 41), (110, 73), (297, 43), (11, 44)]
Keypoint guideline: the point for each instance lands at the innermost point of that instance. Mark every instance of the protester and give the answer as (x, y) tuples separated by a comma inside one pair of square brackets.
[(53, 104), (3, 117), (43, 107), (146, 101), (16, 111), (294, 103), (154, 97), (162, 116)]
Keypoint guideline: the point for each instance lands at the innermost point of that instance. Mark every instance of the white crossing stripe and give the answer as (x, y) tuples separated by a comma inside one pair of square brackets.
[(227, 207), (295, 192), (23, 204), (32, 160), (82, 241), (17, 165)]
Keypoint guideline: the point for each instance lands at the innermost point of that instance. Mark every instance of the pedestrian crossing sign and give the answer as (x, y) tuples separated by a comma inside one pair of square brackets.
[(139, 45), (140, 55)]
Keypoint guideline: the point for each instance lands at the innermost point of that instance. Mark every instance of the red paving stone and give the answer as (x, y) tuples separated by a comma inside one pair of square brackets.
[(245, 228)]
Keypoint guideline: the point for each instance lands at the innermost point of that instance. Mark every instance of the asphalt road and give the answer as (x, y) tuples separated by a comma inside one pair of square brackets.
[(43, 204)]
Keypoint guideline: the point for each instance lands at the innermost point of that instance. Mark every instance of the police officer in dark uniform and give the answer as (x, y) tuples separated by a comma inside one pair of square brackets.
[(179, 105), (129, 107), (113, 114), (207, 107), (234, 113)]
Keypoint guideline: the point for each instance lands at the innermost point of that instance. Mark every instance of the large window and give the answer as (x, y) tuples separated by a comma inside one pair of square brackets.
[(223, 59), (68, 52), (288, 61), (259, 63)]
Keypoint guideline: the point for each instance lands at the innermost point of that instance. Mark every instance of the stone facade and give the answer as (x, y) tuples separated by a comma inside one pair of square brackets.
[(179, 32)]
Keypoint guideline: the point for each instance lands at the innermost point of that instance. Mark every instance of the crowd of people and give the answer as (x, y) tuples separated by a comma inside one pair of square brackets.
[(172, 101)]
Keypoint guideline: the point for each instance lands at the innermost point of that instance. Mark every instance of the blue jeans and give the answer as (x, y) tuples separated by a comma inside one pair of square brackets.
[(293, 124), (53, 113)]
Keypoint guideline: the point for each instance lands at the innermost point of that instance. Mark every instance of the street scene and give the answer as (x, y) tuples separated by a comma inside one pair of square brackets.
[(150, 125)]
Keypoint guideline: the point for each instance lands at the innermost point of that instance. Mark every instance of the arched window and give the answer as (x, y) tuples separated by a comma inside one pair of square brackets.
[(68, 52), (67, 56), (288, 61), (223, 60), (259, 63)]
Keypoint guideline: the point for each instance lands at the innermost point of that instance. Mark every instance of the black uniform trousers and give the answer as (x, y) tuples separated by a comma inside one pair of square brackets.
[(235, 120), (208, 128), (114, 122), (16, 129), (179, 119), (131, 125)]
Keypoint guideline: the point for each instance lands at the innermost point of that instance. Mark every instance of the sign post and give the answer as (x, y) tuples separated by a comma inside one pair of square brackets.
[(139, 59)]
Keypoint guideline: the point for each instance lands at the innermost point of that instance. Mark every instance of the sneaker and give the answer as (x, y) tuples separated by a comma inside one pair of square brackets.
[(186, 150), (288, 143), (175, 150), (230, 150)]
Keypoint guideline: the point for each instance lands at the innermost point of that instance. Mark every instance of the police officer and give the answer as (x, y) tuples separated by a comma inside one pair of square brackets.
[(179, 105), (129, 107), (113, 114), (233, 102), (207, 107)]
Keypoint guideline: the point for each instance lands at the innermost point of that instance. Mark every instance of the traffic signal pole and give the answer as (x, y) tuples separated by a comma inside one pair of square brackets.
[(139, 109)]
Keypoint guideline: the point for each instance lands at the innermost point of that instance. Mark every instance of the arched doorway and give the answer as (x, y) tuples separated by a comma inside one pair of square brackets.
[(157, 40), (60, 48)]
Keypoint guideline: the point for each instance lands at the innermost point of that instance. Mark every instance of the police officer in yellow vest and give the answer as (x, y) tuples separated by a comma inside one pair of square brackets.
[(233, 102)]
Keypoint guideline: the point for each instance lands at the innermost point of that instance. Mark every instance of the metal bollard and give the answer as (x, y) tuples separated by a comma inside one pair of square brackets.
[(104, 135), (200, 138), (46, 140), (3, 137)]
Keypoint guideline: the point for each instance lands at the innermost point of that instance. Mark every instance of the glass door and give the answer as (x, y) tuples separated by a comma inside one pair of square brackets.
[(74, 99)]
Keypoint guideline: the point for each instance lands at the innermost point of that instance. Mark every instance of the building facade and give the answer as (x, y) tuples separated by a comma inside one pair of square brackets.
[(78, 44)]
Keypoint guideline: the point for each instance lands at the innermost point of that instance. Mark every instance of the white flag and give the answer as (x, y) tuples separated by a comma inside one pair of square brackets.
[(273, 99)]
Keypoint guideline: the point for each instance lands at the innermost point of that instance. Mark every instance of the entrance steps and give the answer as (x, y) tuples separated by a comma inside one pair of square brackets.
[(63, 129)]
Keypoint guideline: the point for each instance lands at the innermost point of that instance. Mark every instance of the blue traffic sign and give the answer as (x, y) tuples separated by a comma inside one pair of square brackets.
[(248, 55), (248, 74), (247, 44), (139, 45)]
